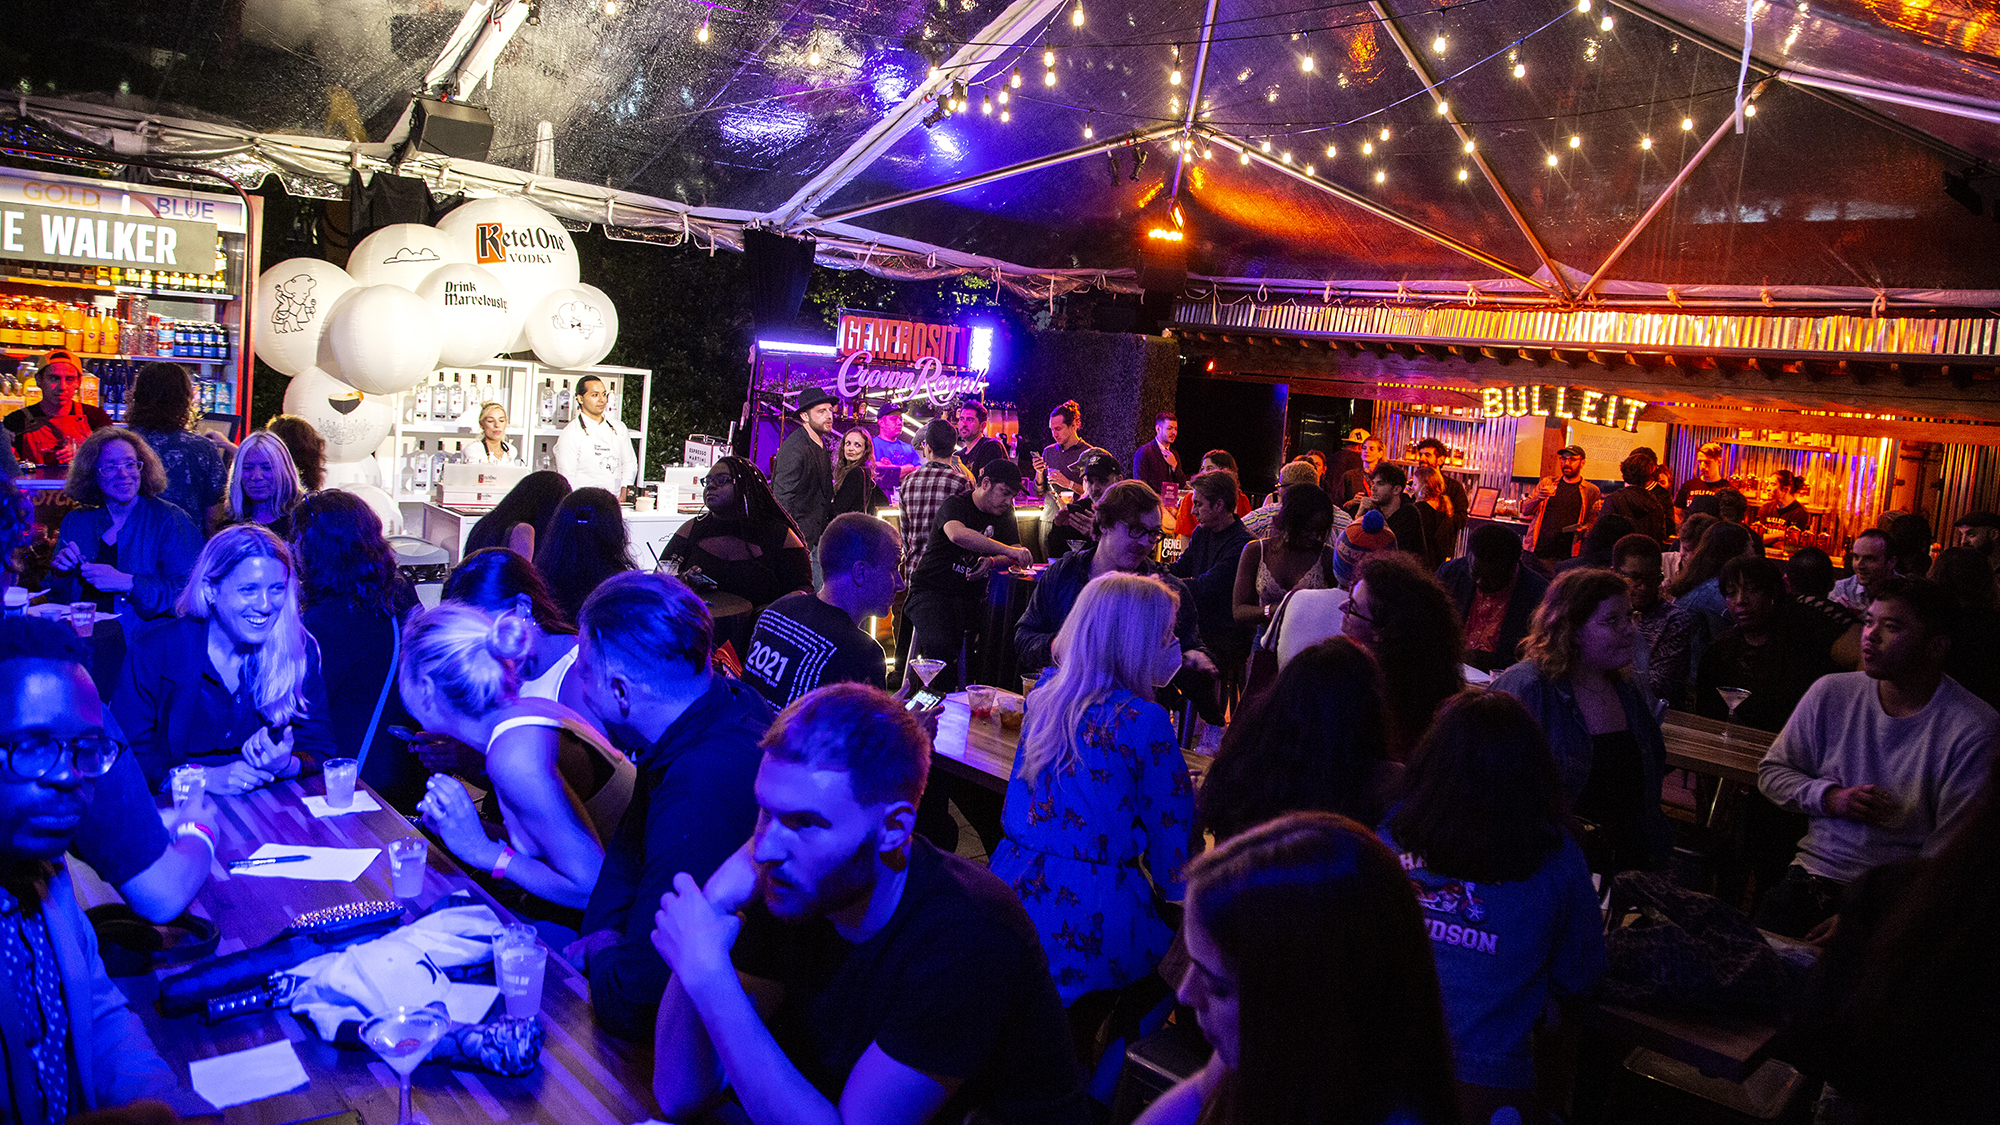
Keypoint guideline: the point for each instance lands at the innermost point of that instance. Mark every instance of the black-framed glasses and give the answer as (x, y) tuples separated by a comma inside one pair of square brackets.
[(34, 755), (1149, 534), (723, 481)]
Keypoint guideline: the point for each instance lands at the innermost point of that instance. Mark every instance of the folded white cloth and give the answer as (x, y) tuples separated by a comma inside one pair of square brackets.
[(404, 968)]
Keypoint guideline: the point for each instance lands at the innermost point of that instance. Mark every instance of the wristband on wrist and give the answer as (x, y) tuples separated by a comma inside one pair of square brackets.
[(200, 831), (499, 871)]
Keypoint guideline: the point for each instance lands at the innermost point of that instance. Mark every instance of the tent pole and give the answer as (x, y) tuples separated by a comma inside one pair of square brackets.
[(1423, 73), (1194, 99), (1727, 127), (1895, 96)]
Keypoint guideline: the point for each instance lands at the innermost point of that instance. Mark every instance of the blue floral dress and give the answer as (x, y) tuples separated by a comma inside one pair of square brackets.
[(1087, 846)]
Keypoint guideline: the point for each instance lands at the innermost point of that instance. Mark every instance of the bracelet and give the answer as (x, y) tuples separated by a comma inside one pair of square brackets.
[(190, 828), (499, 871)]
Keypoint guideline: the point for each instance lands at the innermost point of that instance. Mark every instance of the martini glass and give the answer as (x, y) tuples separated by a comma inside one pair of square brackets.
[(926, 668), (404, 1037), (1733, 697)]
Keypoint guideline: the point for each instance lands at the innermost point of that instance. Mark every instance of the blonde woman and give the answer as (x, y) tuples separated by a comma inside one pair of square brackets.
[(557, 796), (492, 447), (854, 487), (233, 683), (1098, 812), (264, 485)]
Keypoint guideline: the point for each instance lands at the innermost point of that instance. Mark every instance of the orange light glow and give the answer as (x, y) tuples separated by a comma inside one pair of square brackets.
[(1165, 235)]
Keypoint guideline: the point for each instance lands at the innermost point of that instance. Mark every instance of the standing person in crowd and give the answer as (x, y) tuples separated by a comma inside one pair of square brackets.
[(1784, 508), (1885, 762), (1809, 578), (594, 450), (264, 485), (127, 550), (1562, 508), (308, 449), (72, 1043), (1689, 542), (1055, 465), (45, 436), (1698, 493), (1076, 528), (1258, 522), (854, 488), (1698, 587), (974, 536), (644, 660), (743, 542), (232, 683), (1399, 613), (1099, 808), (460, 679), (1319, 738), (1974, 662), (1452, 503), (1773, 649), (975, 449), (1644, 506), (521, 519), (1294, 556), (1357, 485), (587, 543), (1496, 596), (1506, 894), (1214, 461), (353, 601), (937, 480), (1209, 566), (1575, 679), (1155, 462), (811, 638), (500, 581), (1386, 496), (162, 410), (1434, 521), (1318, 461), (895, 458), (1980, 531), (1312, 979), (1732, 506), (493, 448), (1869, 562), (1910, 545), (1666, 631), (802, 469), (839, 966), (1598, 542)]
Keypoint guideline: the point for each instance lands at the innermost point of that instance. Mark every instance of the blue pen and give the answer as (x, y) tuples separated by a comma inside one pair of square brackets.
[(240, 864)]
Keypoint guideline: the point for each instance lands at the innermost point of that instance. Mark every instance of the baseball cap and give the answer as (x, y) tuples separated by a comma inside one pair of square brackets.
[(58, 358), (1099, 465), (1570, 451), (1364, 536), (1356, 436)]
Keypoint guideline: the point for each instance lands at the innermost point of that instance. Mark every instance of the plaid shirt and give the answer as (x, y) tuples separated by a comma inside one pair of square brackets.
[(924, 492)]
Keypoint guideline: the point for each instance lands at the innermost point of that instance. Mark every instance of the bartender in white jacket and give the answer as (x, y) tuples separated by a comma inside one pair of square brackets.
[(594, 451)]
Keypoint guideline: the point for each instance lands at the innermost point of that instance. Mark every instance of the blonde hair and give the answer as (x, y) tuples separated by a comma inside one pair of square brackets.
[(289, 486), (486, 406), (1109, 642), (470, 657), (281, 663)]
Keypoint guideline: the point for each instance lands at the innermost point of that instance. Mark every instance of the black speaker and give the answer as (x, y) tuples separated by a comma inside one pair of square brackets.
[(459, 130)]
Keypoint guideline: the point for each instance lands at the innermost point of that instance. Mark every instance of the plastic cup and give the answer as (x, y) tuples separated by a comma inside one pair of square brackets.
[(188, 783), (519, 970), (407, 856), (340, 775), (1028, 685), (83, 617), (980, 699)]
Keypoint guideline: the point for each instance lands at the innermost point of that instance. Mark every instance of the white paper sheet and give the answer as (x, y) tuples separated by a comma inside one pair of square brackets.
[(247, 1076), (469, 1003), (330, 865), (363, 802)]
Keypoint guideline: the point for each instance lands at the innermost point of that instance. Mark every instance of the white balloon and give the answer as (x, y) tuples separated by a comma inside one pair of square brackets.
[(353, 424), (384, 340), (386, 508), (295, 300), (523, 245), (610, 322), (402, 254), (474, 311), (569, 327)]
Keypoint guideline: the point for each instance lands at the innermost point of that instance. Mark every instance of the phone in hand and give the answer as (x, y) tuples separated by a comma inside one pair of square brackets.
[(923, 701)]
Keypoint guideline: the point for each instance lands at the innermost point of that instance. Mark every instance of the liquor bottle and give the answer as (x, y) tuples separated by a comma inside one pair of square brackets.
[(548, 404), (423, 467), (612, 404), (457, 397), (565, 405), (437, 464)]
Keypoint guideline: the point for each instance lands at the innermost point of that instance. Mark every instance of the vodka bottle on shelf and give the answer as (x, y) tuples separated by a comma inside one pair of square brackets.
[(565, 405), (612, 406), (457, 397), (547, 410)]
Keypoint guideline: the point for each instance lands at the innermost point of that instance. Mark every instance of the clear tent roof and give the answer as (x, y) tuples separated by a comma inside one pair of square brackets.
[(745, 105)]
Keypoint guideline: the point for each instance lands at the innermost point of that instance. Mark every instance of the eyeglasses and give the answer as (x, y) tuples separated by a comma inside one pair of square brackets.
[(718, 482), (34, 755), (1149, 534)]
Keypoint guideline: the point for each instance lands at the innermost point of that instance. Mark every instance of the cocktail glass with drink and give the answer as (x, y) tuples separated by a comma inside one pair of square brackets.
[(404, 1037), (926, 668), (187, 783), (340, 774), (1733, 697), (407, 856)]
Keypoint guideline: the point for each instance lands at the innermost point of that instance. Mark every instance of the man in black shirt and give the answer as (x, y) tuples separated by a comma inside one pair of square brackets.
[(1698, 495), (975, 448), (1563, 508), (840, 967), (975, 535), (802, 470), (807, 639)]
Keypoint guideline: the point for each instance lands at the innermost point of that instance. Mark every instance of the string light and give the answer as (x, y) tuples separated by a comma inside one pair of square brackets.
[(1003, 97), (1288, 158), (1306, 64), (1469, 146), (1048, 78), (1207, 153), (1575, 141), (1385, 132), (812, 57), (1309, 169), (1440, 43), (1583, 5), (1076, 17), (610, 7), (1174, 79), (1463, 175), (1243, 157), (1520, 70), (1048, 58), (1750, 110), (1005, 117), (1332, 151), (1088, 132), (701, 36), (1367, 148), (1444, 109), (1687, 124), (1381, 177), (986, 106), (1552, 160), (1015, 81), (1646, 143), (1605, 24)]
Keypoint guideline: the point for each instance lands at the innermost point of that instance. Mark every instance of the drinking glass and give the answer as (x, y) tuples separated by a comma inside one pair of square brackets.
[(980, 699), (518, 969), (340, 774), (407, 856), (188, 783), (404, 1037), (83, 617), (926, 668), (1734, 697)]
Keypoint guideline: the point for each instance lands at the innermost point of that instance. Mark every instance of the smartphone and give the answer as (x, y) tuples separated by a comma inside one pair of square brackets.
[(923, 701)]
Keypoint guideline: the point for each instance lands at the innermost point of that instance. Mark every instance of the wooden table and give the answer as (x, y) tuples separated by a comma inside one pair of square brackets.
[(585, 1076), (1725, 1047), (983, 753), (1705, 746)]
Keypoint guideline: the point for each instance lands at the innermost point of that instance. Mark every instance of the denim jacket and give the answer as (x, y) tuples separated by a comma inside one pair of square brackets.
[(157, 547)]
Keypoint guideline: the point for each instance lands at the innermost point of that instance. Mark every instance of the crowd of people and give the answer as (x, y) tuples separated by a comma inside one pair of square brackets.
[(1366, 908)]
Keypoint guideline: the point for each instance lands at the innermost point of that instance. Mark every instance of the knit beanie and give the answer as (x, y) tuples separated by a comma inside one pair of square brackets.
[(1368, 534)]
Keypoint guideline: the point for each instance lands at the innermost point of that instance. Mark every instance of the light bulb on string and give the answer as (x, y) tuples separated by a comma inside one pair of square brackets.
[(1267, 146), (1444, 109), (1288, 158), (1015, 81), (1309, 169), (1381, 177), (1583, 6), (701, 36), (1385, 132), (1575, 141), (1207, 153), (1076, 17), (1646, 143), (1552, 160), (1048, 78), (1005, 116), (1469, 146), (1606, 23), (1048, 58), (610, 7), (1687, 124), (1463, 175), (986, 106), (1367, 148), (1003, 97), (1088, 132), (1440, 43), (1243, 157), (1332, 151), (1306, 64), (812, 57), (1174, 79), (1750, 110), (1520, 70)]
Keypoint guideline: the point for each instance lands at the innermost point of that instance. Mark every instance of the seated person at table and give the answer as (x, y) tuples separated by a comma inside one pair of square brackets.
[(500, 581), (233, 683), (1575, 678), (643, 658), (587, 543), (1885, 761), (1506, 895), (744, 543), (458, 677), (129, 551), (868, 976), (264, 485), (1128, 528), (1216, 539), (1663, 652), (1099, 808), (1294, 556), (1405, 620), (1495, 595), (804, 640), (45, 436), (1774, 649), (521, 518), (72, 1043), (1312, 979), (1076, 528), (975, 535)]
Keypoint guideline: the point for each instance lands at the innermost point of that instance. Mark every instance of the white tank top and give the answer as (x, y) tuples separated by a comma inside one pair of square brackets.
[(549, 684), (607, 805)]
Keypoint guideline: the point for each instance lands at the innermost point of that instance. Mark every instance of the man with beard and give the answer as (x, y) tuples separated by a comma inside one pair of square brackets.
[(838, 967)]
